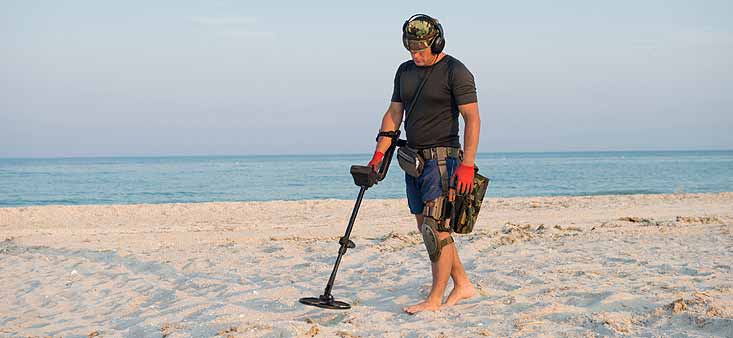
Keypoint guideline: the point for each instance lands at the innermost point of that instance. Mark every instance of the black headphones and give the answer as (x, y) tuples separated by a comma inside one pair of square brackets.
[(438, 43)]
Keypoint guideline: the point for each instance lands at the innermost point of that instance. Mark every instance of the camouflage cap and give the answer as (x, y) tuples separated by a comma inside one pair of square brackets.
[(420, 29), (419, 34)]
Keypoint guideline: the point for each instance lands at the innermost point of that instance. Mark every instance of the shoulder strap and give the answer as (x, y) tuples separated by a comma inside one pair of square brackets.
[(417, 93)]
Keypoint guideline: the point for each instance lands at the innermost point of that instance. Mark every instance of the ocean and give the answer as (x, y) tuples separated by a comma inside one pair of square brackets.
[(133, 180)]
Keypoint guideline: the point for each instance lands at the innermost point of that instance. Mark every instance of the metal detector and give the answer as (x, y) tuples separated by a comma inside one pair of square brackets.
[(364, 177)]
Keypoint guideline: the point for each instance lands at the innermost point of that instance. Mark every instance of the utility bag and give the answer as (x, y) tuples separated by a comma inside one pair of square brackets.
[(466, 207), (410, 161)]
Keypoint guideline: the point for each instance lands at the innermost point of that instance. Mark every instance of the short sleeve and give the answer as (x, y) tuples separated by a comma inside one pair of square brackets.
[(396, 97), (462, 84)]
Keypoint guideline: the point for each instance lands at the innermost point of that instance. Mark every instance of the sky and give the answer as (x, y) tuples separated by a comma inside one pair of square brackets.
[(168, 78)]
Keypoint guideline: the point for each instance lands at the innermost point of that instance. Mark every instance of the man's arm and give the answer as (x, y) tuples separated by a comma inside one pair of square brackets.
[(472, 120), (390, 122)]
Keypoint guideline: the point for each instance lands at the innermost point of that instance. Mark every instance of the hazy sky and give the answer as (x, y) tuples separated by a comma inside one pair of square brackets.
[(102, 78)]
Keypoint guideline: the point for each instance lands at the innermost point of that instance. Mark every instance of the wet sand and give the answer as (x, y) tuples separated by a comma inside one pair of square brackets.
[(638, 265)]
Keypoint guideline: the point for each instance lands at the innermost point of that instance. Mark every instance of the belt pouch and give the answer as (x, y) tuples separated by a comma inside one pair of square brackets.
[(410, 161)]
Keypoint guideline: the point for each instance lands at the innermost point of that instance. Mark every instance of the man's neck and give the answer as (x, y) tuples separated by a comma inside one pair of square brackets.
[(437, 58)]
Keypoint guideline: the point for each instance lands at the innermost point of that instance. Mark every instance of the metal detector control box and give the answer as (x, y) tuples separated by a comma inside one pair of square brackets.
[(364, 176)]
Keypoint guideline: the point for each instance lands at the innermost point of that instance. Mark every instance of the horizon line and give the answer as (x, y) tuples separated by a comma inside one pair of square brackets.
[(351, 154)]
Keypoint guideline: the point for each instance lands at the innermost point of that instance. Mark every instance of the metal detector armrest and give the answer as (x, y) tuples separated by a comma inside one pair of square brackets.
[(394, 143)]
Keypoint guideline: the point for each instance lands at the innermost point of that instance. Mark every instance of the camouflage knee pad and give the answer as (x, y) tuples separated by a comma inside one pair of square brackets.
[(433, 244)]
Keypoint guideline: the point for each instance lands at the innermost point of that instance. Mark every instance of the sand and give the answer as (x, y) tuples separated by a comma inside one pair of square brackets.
[(640, 265)]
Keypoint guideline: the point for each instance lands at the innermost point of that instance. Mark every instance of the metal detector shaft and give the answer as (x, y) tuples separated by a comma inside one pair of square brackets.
[(364, 177), (344, 241)]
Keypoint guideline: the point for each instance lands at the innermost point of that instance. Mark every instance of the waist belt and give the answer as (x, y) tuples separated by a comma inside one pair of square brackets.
[(440, 153)]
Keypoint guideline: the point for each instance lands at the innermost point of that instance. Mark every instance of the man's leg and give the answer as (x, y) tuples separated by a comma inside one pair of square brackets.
[(441, 272), (462, 287)]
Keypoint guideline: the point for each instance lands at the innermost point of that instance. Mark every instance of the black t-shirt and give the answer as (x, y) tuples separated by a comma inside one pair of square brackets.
[(434, 121)]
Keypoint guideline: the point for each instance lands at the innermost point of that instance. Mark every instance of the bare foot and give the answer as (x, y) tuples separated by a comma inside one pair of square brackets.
[(424, 306), (460, 293)]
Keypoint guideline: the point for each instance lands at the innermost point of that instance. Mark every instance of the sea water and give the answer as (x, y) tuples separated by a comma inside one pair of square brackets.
[(132, 180)]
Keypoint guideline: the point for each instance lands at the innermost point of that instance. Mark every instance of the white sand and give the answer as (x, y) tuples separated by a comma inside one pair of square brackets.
[(643, 265)]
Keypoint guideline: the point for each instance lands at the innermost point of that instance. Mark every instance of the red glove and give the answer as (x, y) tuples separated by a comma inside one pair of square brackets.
[(376, 160), (464, 178)]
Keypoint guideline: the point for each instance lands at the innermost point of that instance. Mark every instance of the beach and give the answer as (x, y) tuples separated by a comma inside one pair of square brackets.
[(586, 266)]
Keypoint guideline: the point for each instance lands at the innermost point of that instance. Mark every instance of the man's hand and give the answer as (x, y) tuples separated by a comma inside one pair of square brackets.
[(376, 160), (464, 179)]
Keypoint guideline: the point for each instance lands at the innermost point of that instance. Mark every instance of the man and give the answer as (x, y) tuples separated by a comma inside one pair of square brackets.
[(432, 129)]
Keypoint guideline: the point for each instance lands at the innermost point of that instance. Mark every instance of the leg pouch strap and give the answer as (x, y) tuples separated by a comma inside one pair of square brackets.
[(435, 209), (439, 210)]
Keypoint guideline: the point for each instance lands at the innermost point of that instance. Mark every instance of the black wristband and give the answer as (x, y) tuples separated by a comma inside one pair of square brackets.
[(392, 134)]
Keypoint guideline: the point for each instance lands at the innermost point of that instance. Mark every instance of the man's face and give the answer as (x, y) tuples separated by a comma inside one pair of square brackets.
[(422, 57)]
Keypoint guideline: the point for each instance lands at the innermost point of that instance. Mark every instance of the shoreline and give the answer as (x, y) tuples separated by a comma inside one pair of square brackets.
[(639, 265), (366, 197)]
